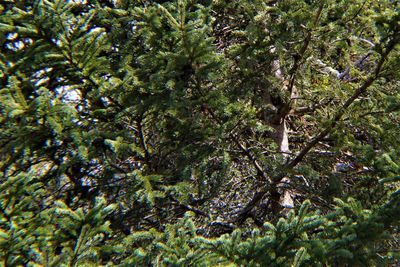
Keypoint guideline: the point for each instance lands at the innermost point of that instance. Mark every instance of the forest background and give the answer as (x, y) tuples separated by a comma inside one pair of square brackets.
[(199, 133)]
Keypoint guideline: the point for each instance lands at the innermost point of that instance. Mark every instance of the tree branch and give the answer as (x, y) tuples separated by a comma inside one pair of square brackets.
[(362, 89), (300, 55)]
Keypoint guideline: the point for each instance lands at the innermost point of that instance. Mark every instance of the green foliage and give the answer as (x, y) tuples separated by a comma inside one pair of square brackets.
[(346, 236), (38, 230), (117, 118)]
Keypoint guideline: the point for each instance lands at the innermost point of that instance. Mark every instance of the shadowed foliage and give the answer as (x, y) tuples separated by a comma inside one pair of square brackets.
[(199, 133)]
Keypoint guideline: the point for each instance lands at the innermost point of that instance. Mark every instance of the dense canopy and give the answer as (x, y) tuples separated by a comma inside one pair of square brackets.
[(199, 133)]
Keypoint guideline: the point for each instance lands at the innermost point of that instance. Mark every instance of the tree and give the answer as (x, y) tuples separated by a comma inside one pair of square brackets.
[(237, 111)]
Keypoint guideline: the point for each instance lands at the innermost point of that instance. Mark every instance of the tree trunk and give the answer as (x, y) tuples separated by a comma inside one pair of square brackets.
[(281, 196)]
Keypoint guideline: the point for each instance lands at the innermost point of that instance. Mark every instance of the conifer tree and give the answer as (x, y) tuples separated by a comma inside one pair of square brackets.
[(273, 123)]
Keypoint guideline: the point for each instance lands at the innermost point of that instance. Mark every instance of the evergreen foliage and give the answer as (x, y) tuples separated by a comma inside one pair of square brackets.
[(39, 231), (199, 133)]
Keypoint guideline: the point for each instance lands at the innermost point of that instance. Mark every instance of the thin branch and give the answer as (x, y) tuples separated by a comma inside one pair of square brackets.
[(300, 55), (258, 196), (142, 139), (193, 209), (246, 151), (339, 114), (310, 109), (357, 12)]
